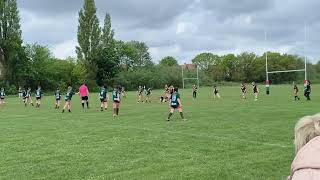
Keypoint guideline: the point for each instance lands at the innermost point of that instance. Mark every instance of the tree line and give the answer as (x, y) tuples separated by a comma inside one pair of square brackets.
[(101, 59)]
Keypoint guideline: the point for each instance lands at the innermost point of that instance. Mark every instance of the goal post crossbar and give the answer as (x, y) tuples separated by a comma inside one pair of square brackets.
[(287, 71), (194, 78)]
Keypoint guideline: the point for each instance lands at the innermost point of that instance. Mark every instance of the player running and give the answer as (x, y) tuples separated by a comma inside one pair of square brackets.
[(194, 92), (2, 96), (296, 92), (103, 96), (244, 91), (148, 95), (38, 95), (57, 96), (255, 90), (27, 97), (20, 91), (123, 92), (216, 92), (68, 98), (140, 94), (175, 104), (84, 94), (116, 101), (307, 90)]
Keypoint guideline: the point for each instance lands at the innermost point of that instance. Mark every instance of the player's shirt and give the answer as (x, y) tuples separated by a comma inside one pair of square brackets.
[(255, 89), (28, 94), (243, 89), (2, 94), (308, 89), (295, 89), (215, 91), (57, 95), (148, 92), (24, 94), (39, 93), (195, 89), (69, 95), (20, 90), (115, 96), (174, 99), (103, 94)]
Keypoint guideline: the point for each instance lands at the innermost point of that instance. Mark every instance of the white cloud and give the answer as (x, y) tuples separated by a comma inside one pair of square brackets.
[(64, 49)]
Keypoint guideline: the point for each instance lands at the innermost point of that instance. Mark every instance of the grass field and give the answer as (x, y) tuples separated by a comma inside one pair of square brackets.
[(223, 139)]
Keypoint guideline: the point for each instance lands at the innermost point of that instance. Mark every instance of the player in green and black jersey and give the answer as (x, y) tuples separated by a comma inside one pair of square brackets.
[(140, 94), (243, 91), (68, 98), (103, 96), (27, 97), (194, 92), (2, 96), (307, 90), (148, 95), (38, 95), (175, 104), (116, 97), (57, 96)]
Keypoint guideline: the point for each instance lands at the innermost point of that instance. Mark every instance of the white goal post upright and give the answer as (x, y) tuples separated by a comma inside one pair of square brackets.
[(288, 71), (184, 79)]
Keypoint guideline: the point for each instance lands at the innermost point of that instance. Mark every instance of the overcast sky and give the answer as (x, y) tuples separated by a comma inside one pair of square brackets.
[(183, 28)]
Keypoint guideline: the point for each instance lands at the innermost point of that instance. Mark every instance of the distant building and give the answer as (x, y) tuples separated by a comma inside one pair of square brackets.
[(189, 66)]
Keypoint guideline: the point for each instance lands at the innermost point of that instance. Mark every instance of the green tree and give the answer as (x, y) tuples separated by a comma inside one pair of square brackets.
[(205, 60), (10, 38), (89, 34), (108, 60), (169, 61)]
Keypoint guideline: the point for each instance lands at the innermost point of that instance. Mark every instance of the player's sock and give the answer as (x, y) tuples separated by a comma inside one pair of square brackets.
[(101, 108), (170, 114), (118, 111), (62, 110), (32, 104), (82, 105), (181, 114), (69, 110), (87, 104)]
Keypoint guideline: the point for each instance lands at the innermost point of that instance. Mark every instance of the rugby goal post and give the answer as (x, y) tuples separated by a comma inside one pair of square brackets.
[(287, 71), (189, 78)]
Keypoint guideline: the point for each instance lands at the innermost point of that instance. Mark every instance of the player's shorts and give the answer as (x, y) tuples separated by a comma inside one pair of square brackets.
[(85, 98), (2, 98), (175, 106), (67, 100), (103, 100), (38, 98), (116, 101)]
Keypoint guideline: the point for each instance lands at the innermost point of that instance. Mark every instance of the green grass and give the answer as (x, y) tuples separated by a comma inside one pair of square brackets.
[(223, 139)]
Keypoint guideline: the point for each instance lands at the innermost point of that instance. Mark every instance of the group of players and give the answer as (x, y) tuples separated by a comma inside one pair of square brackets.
[(171, 95)]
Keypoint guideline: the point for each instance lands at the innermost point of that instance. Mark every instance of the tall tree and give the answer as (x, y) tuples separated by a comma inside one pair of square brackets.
[(89, 34), (10, 37), (169, 61), (108, 60)]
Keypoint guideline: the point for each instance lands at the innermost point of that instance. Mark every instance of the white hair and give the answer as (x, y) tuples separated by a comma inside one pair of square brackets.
[(306, 129)]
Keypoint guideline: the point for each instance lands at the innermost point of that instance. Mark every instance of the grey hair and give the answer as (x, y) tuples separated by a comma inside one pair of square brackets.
[(306, 129)]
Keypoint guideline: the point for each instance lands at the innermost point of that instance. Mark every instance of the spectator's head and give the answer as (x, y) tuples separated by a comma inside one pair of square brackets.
[(306, 129)]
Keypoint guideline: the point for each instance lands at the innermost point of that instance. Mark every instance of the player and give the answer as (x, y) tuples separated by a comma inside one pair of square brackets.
[(296, 92), (140, 94), (84, 94), (28, 98), (68, 98), (116, 101), (244, 91), (194, 92), (20, 92), (148, 95), (307, 90), (255, 90), (216, 92), (166, 93), (2, 96), (38, 95), (175, 104), (103, 95), (57, 96)]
